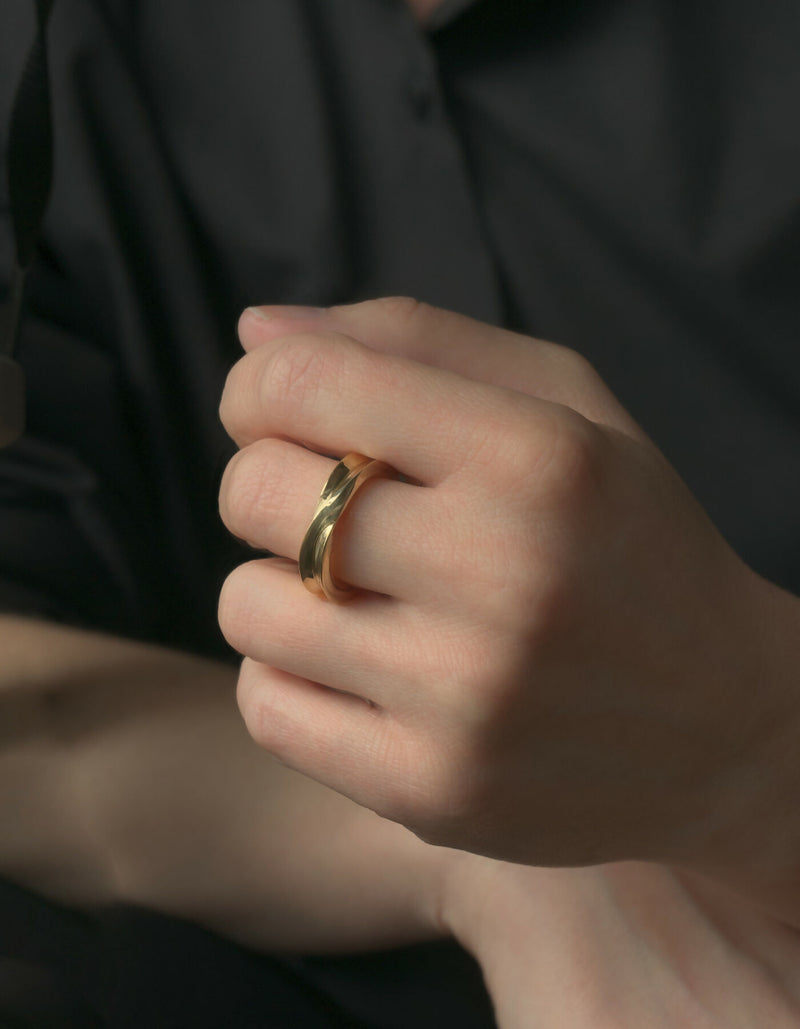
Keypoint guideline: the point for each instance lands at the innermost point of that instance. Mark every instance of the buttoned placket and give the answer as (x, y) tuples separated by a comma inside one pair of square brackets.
[(441, 170)]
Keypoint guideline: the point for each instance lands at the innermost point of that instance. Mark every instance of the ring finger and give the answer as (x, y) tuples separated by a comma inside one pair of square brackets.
[(268, 496)]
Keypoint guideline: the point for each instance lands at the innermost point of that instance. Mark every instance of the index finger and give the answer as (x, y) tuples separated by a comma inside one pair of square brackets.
[(335, 395)]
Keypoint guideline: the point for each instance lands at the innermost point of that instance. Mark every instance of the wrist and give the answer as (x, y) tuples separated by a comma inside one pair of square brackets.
[(757, 852), (465, 888)]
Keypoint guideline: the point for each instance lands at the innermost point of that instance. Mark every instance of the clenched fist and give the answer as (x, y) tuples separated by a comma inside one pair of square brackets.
[(552, 656)]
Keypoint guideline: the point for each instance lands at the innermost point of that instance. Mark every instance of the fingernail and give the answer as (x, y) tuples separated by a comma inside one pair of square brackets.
[(271, 312)]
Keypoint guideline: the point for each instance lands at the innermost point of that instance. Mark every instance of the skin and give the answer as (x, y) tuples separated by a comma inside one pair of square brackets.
[(128, 777), (554, 658), (628, 945)]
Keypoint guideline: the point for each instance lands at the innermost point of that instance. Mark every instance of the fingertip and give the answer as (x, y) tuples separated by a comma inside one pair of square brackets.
[(252, 328), (263, 323)]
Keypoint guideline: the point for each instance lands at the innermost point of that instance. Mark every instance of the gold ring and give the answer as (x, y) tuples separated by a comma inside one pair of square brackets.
[(343, 483)]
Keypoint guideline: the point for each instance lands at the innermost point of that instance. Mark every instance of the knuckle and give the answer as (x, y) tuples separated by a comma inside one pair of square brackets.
[(252, 497), (568, 472), (229, 405), (295, 371), (401, 309), (577, 377), (497, 450), (572, 363), (238, 492), (279, 493), (235, 609), (253, 704), (262, 705), (554, 485), (524, 455), (581, 388)]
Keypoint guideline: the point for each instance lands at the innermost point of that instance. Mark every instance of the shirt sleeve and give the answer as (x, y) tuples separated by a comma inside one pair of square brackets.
[(72, 500)]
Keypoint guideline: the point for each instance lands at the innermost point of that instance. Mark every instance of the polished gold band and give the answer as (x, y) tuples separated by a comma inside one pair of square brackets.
[(343, 483)]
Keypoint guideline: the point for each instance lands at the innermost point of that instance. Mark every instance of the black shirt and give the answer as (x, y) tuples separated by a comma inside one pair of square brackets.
[(622, 176)]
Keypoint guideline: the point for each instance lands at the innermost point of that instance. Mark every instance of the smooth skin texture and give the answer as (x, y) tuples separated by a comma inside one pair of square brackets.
[(623, 946), (555, 658), (127, 776)]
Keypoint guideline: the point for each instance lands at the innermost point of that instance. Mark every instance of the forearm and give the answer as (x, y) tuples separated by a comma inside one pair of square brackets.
[(126, 774)]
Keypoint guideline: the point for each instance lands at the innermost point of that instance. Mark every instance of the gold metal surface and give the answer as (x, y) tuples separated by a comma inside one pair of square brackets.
[(343, 483)]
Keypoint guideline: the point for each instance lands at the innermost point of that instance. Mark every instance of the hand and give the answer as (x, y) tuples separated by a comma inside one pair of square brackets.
[(555, 658)]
